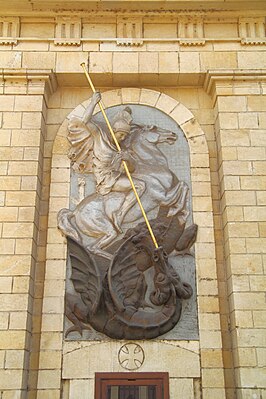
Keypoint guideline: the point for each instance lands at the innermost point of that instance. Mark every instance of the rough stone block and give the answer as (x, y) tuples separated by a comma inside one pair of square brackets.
[(149, 97), (25, 168), (209, 321), (49, 379), (11, 379), (10, 59), (218, 59), (210, 339), (253, 182), (52, 322), (251, 59), (4, 320), (5, 285), (14, 359), (28, 103), (252, 153), (14, 265), (10, 183), (50, 359), (258, 283), (243, 229), (31, 120), (168, 62), (166, 103), (8, 214), (217, 393), (48, 394), (259, 317), (249, 301), (258, 138), (237, 245), (25, 138), (12, 120), (7, 246), (125, 62), (79, 388), (239, 198), (100, 62), (248, 263), (70, 61), (37, 60), (212, 378), (7, 102), (17, 230), (182, 387), (149, 62), (248, 120), (208, 304), (53, 304), (12, 340), (211, 358), (51, 341), (21, 285), (252, 377), (234, 138), (189, 62), (19, 321)]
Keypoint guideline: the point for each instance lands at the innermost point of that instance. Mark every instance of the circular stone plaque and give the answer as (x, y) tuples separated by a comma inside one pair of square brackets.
[(131, 356)]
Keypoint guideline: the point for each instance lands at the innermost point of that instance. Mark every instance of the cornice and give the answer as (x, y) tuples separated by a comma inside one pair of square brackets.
[(217, 82), (30, 77), (86, 7)]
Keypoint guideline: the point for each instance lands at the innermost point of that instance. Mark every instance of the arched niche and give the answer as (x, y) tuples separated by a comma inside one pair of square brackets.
[(199, 171)]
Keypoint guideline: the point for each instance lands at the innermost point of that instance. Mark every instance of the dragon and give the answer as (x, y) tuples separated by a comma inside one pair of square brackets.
[(139, 295)]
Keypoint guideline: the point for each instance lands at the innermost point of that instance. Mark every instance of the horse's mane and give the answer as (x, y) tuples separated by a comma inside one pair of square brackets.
[(135, 130)]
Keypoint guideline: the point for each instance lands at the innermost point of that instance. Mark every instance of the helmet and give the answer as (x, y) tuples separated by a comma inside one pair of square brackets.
[(122, 120)]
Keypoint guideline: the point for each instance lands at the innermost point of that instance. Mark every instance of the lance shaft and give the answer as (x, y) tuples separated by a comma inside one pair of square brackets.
[(124, 162)]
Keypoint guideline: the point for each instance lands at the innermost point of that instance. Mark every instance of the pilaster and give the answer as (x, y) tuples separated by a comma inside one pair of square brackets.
[(240, 102), (23, 115)]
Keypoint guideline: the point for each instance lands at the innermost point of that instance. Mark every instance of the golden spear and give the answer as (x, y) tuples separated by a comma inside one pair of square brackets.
[(124, 162)]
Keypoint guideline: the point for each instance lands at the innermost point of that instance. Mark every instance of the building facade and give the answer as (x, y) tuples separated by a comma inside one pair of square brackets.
[(203, 65)]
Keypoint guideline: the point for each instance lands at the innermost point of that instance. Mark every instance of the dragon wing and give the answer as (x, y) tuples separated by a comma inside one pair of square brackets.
[(125, 278), (85, 275)]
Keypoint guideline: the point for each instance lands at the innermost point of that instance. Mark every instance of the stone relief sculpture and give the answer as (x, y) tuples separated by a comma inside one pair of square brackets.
[(121, 285)]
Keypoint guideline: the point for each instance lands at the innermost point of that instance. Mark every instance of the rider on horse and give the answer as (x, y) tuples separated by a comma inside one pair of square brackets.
[(86, 135)]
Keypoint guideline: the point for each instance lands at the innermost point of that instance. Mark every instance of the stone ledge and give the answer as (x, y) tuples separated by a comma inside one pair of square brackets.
[(30, 76), (216, 80)]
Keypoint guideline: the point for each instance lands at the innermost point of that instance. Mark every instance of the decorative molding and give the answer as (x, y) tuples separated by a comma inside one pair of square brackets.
[(191, 31), (31, 77), (9, 30), (252, 30), (67, 31), (129, 31), (218, 82)]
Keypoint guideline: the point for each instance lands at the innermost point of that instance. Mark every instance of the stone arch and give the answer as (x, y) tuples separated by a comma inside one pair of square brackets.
[(177, 111)]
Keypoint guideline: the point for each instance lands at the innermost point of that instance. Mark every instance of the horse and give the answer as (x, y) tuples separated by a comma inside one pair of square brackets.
[(93, 215)]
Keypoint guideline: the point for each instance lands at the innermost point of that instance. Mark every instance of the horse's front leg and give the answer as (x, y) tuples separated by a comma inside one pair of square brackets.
[(107, 239)]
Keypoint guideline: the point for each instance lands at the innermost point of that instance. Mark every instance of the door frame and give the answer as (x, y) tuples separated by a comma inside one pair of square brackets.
[(160, 380)]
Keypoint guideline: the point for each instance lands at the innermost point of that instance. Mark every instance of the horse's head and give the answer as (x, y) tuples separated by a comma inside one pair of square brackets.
[(157, 135)]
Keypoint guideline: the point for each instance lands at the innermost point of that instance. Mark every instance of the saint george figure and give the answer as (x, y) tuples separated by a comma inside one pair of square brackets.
[(92, 148)]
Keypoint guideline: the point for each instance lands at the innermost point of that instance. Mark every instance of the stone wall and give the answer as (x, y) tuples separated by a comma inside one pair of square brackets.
[(207, 70)]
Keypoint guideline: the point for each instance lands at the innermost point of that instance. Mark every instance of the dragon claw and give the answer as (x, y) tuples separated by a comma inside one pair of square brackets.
[(78, 328)]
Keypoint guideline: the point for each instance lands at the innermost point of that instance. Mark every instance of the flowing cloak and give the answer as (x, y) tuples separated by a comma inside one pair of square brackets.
[(86, 158)]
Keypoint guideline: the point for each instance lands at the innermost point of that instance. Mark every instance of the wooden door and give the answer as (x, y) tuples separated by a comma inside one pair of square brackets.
[(132, 386)]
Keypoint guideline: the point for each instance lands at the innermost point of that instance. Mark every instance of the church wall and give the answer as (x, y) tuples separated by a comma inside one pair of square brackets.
[(218, 76)]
